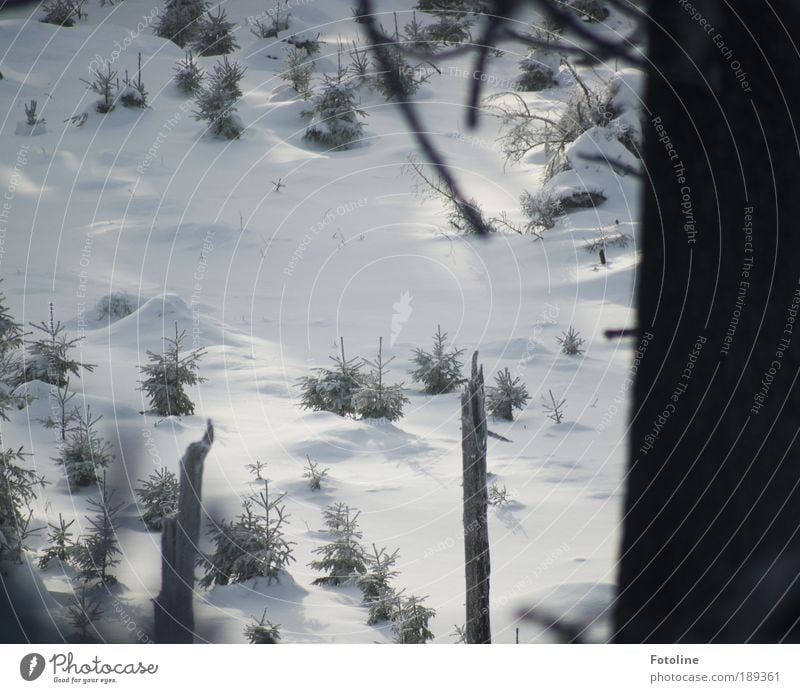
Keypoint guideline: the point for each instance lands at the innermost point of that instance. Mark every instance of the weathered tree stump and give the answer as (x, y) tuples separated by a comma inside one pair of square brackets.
[(174, 615), (476, 503)]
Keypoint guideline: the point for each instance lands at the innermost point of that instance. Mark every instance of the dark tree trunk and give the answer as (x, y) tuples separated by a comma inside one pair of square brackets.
[(174, 614), (476, 502), (711, 540)]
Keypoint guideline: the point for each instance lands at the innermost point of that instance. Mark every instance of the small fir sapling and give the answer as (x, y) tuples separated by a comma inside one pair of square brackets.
[(571, 342), (180, 20), (539, 70), (159, 496), (440, 370), (397, 79), (279, 21), (414, 33), (254, 545), (314, 474), (188, 74), (63, 414), (106, 85), (30, 114), (82, 616), (216, 101), (84, 455), (336, 120), (215, 35), (10, 330), (255, 468), (262, 632), (134, 95), (410, 621), (376, 399), (59, 543), (333, 389), (554, 408), (498, 496), (506, 396), (343, 558), (11, 339), (168, 374), (359, 68), (298, 73), (374, 584), (17, 492), (48, 357), (97, 553)]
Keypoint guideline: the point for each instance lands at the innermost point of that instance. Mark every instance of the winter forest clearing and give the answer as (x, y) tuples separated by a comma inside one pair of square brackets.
[(226, 218)]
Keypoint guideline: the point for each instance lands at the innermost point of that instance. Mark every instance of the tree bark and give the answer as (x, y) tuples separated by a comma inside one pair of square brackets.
[(174, 614), (476, 530), (711, 536)]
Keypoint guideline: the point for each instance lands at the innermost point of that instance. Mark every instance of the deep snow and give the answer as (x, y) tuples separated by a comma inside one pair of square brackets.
[(268, 280)]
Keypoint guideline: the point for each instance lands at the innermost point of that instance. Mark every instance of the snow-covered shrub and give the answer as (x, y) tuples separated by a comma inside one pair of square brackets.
[(439, 370), (542, 208), (63, 12), (168, 374), (336, 120), (216, 102), (262, 632), (84, 454), (279, 17), (589, 10), (48, 357), (539, 70), (507, 394), (553, 408), (254, 545), (299, 70), (314, 474), (180, 20), (106, 85), (571, 342), (310, 43), (115, 306), (17, 492), (374, 584), (59, 543), (159, 496), (96, 553), (410, 620), (333, 389), (375, 399), (343, 558), (590, 105), (214, 35), (188, 74)]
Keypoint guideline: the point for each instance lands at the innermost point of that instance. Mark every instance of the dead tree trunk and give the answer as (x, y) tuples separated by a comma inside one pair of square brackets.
[(174, 616), (476, 502)]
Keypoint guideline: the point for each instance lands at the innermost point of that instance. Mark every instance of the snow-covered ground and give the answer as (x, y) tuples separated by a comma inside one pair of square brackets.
[(268, 280)]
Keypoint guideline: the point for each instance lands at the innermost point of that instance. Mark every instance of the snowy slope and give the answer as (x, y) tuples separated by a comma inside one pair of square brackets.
[(268, 280)]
